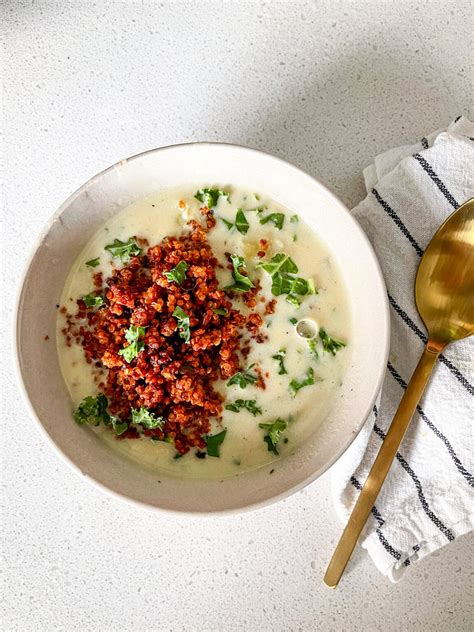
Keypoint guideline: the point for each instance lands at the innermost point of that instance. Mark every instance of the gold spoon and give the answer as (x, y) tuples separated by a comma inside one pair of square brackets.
[(444, 293)]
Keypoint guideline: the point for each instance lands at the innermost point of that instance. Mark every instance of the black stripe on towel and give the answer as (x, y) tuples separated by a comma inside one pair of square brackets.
[(387, 546), (419, 489), (383, 540), (407, 562), (391, 213), (460, 467), (436, 179), (454, 370)]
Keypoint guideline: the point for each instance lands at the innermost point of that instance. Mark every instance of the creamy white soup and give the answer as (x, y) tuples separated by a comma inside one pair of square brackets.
[(290, 367)]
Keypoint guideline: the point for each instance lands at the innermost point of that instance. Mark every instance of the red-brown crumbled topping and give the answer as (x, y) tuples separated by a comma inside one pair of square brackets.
[(254, 322), (250, 297), (98, 280), (260, 383), (169, 377), (270, 307)]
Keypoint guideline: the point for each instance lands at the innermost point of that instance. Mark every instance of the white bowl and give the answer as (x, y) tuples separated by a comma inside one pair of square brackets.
[(107, 193)]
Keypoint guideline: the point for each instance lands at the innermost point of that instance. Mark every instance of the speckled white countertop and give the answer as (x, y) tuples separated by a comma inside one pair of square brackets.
[(326, 85)]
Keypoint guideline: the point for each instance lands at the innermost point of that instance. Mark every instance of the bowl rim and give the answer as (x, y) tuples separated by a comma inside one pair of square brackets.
[(129, 499)]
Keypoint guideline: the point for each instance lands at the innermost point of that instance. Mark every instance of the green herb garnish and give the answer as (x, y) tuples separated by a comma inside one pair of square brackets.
[(293, 320), (93, 263), (294, 219), (282, 269), (183, 323), (243, 378), (213, 443), (91, 411), (242, 282), (241, 222), (274, 431), (330, 344), (229, 225), (279, 264), (312, 344), (248, 404), (147, 419), (178, 273), (293, 287), (296, 385), (124, 249), (277, 218), (280, 356), (220, 311), (118, 425), (91, 300), (296, 288), (133, 336), (210, 197)]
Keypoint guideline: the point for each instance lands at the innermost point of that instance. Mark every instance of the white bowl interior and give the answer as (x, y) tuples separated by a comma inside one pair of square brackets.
[(202, 163)]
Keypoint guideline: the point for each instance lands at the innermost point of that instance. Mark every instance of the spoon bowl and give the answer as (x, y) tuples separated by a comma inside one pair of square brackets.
[(444, 287)]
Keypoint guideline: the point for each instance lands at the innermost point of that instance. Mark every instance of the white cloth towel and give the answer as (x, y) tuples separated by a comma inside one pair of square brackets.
[(427, 500)]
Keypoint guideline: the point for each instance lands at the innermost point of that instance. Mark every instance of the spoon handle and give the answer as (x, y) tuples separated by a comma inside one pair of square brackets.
[(381, 466)]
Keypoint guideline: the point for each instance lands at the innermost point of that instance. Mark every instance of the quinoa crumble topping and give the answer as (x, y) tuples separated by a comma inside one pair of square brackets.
[(170, 377)]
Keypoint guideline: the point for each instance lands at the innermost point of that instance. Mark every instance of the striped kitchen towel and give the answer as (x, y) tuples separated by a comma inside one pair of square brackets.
[(427, 500)]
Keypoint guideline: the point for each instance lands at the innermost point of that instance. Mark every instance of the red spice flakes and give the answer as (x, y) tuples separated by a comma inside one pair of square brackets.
[(169, 377), (142, 242), (209, 217), (46, 338), (270, 307), (245, 350), (98, 280), (260, 383), (254, 322), (263, 243), (250, 297)]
